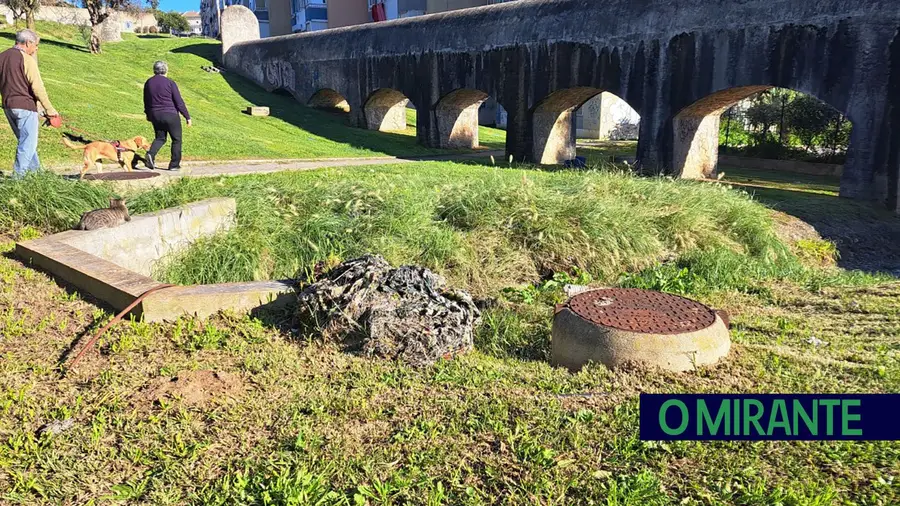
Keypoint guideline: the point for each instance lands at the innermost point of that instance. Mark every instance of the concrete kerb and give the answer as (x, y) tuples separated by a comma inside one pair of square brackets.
[(130, 248)]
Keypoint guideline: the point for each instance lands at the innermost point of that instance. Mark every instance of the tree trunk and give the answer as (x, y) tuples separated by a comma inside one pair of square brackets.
[(29, 20), (95, 39)]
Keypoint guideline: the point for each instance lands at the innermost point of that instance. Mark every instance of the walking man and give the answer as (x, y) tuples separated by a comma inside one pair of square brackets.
[(22, 88), (162, 104)]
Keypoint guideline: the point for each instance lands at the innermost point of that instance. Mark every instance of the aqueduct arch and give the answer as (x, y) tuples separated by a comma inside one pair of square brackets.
[(659, 57), (329, 100), (385, 110), (456, 116)]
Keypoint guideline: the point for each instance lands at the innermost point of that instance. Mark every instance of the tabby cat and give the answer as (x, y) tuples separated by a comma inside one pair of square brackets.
[(114, 216)]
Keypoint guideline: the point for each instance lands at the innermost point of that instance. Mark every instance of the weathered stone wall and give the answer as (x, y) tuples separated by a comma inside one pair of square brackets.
[(659, 56), (242, 26), (111, 28)]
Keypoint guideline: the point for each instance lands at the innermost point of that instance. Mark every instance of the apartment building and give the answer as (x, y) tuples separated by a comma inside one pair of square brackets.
[(194, 21), (452, 5), (312, 15), (306, 15), (274, 16), (348, 12), (383, 10)]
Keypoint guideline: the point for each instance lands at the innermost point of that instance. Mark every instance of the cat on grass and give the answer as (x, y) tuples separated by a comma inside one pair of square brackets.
[(115, 215)]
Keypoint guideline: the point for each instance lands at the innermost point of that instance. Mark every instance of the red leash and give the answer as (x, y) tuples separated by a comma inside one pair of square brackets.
[(57, 122)]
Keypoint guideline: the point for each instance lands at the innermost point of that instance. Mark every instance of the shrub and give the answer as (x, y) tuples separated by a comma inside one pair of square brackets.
[(153, 29)]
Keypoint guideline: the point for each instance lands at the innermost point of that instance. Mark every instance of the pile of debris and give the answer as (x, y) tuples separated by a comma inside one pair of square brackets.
[(405, 314)]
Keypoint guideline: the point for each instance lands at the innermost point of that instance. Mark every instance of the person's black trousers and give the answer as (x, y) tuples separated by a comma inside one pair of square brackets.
[(167, 123)]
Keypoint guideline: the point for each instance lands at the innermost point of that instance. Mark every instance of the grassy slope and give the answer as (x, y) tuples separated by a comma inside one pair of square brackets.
[(487, 228), (312, 425), (101, 94)]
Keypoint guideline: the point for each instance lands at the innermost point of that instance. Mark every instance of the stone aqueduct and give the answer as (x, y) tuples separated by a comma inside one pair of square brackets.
[(678, 63)]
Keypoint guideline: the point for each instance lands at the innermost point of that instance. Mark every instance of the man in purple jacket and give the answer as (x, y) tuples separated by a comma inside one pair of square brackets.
[(162, 104)]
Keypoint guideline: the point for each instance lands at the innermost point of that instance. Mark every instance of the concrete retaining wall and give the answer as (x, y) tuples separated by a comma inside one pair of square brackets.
[(140, 244), (109, 270), (816, 169)]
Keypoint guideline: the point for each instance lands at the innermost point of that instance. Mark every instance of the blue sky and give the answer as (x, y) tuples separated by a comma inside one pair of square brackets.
[(179, 5)]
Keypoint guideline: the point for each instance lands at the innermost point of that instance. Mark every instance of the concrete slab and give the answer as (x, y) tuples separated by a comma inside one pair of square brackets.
[(206, 300), (97, 263), (104, 280), (257, 111)]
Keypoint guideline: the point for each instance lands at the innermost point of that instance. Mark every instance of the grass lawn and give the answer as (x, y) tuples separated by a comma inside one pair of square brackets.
[(290, 419), (243, 410), (102, 95)]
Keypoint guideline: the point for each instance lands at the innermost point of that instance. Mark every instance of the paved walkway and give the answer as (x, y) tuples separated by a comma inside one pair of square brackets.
[(242, 167)]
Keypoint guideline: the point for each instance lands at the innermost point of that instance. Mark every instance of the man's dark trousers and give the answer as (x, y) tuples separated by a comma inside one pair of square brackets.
[(166, 123)]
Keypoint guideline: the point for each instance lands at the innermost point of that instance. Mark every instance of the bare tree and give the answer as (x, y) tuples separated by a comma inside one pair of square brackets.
[(24, 9), (98, 12)]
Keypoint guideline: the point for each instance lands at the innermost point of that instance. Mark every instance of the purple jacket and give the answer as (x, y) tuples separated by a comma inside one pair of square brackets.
[(161, 95)]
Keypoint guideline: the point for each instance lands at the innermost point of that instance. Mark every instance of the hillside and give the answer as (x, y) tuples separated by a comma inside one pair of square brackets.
[(101, 94), (261, 409)]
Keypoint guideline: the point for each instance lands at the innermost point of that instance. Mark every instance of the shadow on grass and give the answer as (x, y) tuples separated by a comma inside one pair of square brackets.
[(867, 237), (334, 126), (66, 45)]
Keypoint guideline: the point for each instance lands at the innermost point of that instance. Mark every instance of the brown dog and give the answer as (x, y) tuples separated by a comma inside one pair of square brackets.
[(99, 150)]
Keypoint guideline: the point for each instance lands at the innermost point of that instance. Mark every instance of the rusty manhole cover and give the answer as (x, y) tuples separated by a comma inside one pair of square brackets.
[(646, 311), (121, 176)]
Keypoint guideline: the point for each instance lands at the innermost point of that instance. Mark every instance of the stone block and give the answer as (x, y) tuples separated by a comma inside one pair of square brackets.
[(203, 301), (239, 24), (258, 111)]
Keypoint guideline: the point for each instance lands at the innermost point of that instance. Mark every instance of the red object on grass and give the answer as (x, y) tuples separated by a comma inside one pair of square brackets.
[(55, 121)]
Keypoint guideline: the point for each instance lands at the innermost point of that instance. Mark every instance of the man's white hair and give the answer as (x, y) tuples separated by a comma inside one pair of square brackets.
[(160, 68), (25, 36)]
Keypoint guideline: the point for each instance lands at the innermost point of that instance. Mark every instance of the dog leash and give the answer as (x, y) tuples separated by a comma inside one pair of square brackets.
[(68, 125)]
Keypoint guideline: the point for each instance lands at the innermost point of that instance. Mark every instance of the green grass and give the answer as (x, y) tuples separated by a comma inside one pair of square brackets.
[(312, 425), (599, 152), (102, 95), (486, 228), (779, 180), (483, 227)]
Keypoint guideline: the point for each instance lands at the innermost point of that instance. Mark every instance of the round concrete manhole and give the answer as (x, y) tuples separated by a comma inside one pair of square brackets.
[(121, 176), (619, 325)]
